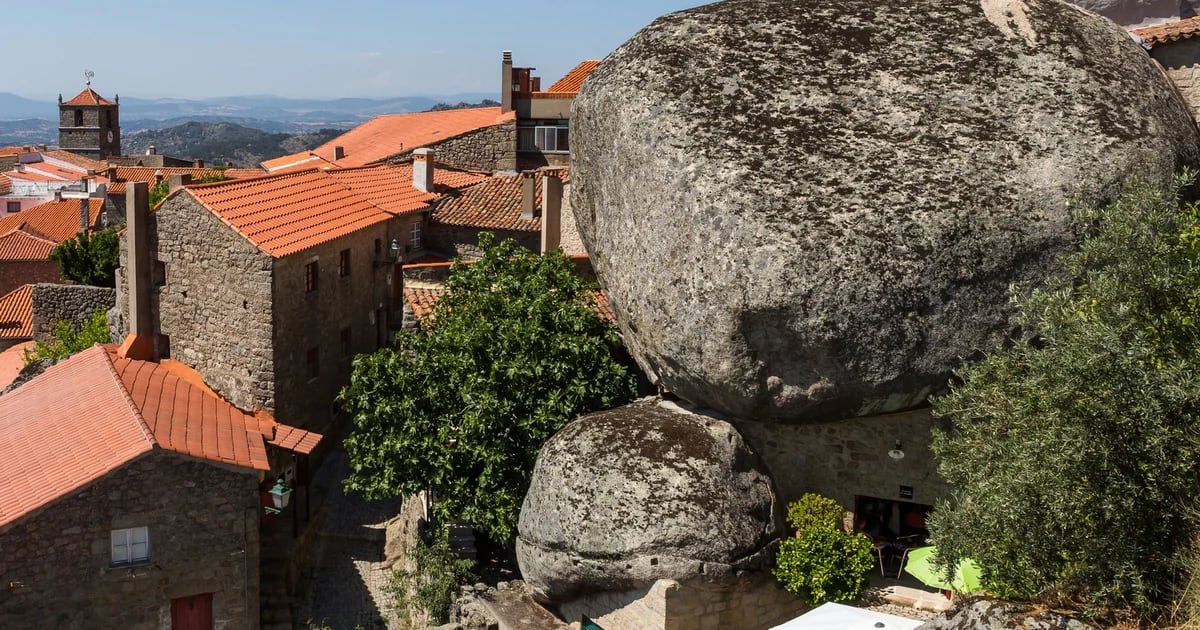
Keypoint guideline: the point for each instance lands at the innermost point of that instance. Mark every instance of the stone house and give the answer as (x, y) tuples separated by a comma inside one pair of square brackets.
[(28, 237), (1175, 46), (132, 497), (543, 116), (270, 286)]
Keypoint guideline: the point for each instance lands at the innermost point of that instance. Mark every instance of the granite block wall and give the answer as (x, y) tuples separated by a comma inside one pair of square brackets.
[(204, 538), (458, 241), (73, 303)]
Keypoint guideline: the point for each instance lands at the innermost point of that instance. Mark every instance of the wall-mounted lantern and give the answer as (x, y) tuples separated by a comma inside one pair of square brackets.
[(281, 493), (896, 453)]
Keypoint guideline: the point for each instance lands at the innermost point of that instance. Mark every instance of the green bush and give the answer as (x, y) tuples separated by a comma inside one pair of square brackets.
[(435, 582), (823, 564), (89, 258), (67, 340), (814, 510)]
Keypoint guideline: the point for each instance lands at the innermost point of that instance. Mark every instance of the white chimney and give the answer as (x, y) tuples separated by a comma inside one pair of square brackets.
[(552, 193), (150, 150), (422, 166)]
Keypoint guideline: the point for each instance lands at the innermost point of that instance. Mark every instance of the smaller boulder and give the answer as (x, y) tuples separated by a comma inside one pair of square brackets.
[(625, 497), (983, 614)]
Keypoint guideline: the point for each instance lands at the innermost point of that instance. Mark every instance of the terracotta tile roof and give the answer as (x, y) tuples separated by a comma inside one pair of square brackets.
[(296, 162), (287, 213), (22, 245), (1172, 31), (12, 360), (494, 203), (422, 299), (56, 221), (81, 161), (244, 173), (570, 83), (149, 173), (296, 440), (89, 97), (95, 411), (5, 184), (29, 175), (16, 314), (391, 134), (390, 186)]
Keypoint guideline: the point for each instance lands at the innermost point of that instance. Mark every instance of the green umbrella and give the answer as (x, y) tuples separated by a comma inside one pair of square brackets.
[(966, 574)]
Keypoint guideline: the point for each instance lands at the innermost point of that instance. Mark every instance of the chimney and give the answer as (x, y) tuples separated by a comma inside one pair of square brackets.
[(58, 195), (139, 343), (339, 152), (111, 173), (552, 193), (85, 222), (151, 150), (178, 180), (423, 169), (528, 193), (198, 164), (506, 83)]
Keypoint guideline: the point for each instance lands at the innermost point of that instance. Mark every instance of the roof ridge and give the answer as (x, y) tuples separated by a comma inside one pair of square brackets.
[(137, 413)]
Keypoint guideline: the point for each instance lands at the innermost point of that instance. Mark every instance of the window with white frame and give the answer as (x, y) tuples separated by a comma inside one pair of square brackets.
[(546, 138), (414, 240), (130, 545)]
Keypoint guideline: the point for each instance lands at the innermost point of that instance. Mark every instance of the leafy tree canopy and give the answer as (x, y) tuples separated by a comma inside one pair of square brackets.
[(89, 259), (1074, 450), (508, 355)]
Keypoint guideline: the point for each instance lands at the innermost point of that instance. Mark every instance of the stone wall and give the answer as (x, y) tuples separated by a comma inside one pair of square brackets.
[(757, 601), (74, 303), (1181, 59), (569, 239), (213, 302), (849, 458), (15, 274), (314, 320), (488, 150), (458, 241), (204, 538)]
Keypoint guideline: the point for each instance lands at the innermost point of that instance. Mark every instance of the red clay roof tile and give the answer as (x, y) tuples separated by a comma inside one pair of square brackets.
[(1172, 31), (16, 313), (56, 221), (81, 161), (89, 97), (494, 203), (422, 299), (5, 184), (392, 134), (95, 411), (571, 82), (25, 245)]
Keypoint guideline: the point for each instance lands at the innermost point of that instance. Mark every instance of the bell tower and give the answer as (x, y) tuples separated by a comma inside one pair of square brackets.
[(90, 124)]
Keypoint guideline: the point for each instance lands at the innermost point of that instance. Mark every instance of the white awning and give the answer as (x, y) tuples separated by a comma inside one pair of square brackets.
[(840, 617)]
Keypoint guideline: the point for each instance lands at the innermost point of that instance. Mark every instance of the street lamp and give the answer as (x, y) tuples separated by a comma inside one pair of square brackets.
[(281, 493)]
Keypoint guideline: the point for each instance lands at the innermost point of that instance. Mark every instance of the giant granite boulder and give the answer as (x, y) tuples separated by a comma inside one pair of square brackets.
[(625, 497), (810, 210)]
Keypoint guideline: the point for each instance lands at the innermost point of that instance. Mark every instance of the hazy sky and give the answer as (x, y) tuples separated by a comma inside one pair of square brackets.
[(304, 48)]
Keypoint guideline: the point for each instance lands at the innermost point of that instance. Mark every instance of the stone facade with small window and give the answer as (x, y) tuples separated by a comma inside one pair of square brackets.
[(114, 553)]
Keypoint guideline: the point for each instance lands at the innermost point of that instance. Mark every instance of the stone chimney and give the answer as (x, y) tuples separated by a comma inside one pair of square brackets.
[(339, 152), (506, 83), (139, 343), (151, 150), (198, 164), (85, 222), (58, 195), (177, 181), (552, 194), (528, 194), (422, 166)]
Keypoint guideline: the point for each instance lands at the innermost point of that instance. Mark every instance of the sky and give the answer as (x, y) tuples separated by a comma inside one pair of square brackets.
[(304, 48)]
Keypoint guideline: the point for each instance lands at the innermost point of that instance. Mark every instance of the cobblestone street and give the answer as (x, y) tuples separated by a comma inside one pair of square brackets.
[(344, 587)]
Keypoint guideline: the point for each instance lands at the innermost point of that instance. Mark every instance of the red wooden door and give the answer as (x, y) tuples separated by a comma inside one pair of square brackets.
[(194, 612)]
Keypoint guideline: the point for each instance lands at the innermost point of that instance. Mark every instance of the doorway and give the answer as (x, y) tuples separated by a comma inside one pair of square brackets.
[(194, 612)]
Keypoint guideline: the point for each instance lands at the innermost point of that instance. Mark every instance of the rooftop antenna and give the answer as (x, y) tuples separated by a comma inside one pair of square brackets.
[(89, 74)]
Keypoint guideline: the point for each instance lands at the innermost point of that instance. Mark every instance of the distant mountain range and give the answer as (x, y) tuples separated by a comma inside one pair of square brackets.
[(222, 142), (27, 121)]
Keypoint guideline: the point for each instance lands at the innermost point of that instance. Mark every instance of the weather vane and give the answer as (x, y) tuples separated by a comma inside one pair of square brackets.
[(89, 74)]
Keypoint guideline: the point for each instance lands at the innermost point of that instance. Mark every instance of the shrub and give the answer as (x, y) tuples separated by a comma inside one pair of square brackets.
[(823, 564), (67, 340), (89, 259), (435, 581), (814, 510)]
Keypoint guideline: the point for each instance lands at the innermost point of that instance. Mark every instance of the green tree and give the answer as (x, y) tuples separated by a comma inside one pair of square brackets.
[(67, 339), (822, 562), (89, 259), (509, 355), (1074, 448)]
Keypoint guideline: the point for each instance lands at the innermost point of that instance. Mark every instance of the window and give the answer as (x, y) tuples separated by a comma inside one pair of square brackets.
[(14, 206), (547, 138), (314, 370), (347, 351), (130, 545), (79, 118), (344, 263), (378, 247), (160, 273), (415, 239), (310, 277)]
